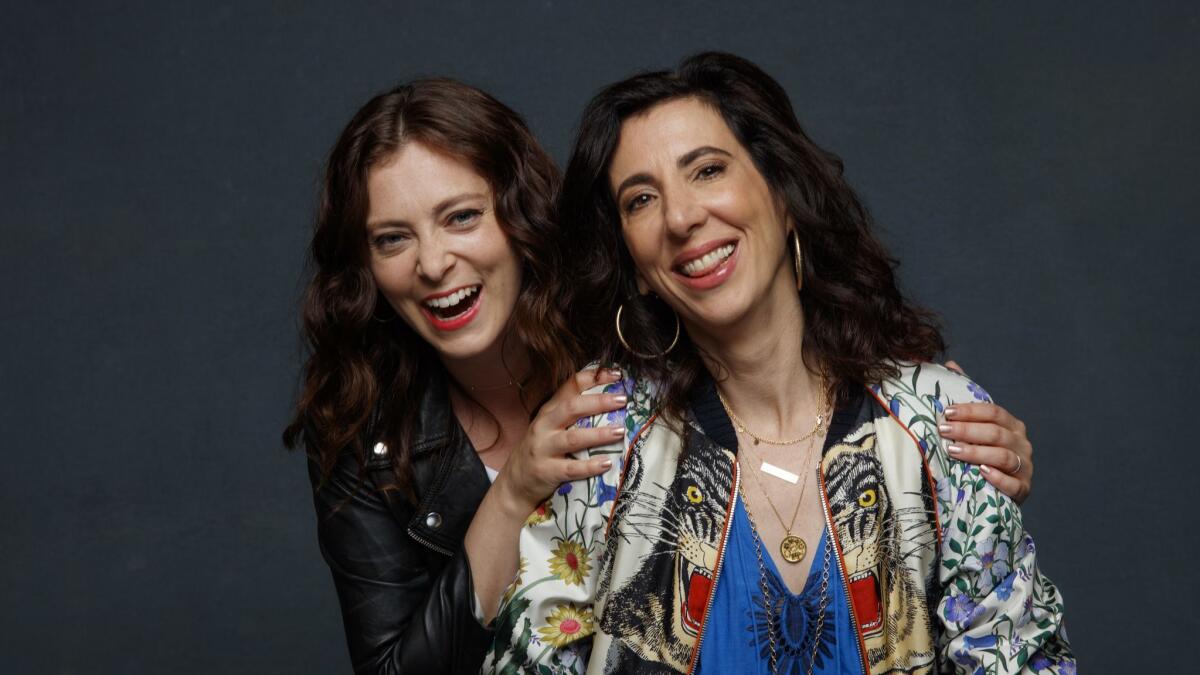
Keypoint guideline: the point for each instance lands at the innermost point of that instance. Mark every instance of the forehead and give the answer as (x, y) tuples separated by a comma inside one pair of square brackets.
[(667, 131), (415, 178)]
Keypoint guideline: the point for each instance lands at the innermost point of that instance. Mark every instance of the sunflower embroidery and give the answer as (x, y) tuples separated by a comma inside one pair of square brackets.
[(567, 624), (570, 562), (540, 515)]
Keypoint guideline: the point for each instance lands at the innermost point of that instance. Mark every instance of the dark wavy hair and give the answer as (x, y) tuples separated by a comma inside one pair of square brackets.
[(367, 369), (857, 324)]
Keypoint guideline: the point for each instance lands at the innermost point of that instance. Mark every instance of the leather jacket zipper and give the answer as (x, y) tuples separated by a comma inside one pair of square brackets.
[(858, 641)]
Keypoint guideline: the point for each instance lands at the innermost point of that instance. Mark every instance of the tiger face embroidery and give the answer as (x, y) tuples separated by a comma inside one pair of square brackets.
[(684, 521), (889, 603)]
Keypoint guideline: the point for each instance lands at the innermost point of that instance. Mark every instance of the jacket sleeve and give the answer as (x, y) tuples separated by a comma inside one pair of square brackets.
[(998, 612), (399, 615)]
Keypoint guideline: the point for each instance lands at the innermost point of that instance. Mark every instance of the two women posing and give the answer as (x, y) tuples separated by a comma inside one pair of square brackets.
[(749, 325)]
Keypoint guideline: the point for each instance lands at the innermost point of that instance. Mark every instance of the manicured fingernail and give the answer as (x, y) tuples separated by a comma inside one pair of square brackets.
[(953, 449), (616, 432), (614, 372), (987, 470), (620, 399), (951, 412), (606, 463), (945, 428)]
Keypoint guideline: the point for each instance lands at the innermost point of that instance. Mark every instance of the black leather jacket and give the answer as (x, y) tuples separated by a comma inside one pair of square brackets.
[(402, 576)]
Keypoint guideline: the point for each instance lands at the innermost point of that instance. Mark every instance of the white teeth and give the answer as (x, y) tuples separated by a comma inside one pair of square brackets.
[(707, 261), (452, 299)]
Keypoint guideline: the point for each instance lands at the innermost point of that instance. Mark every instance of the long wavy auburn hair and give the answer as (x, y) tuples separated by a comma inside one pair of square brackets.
[(857, 323), (367, 369)]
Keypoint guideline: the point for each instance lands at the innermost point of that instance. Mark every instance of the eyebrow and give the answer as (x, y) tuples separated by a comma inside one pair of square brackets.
[(684, 160), (438, 209)]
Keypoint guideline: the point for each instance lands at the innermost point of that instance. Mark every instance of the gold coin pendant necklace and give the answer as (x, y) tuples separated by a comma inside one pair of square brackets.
[(792, 548)]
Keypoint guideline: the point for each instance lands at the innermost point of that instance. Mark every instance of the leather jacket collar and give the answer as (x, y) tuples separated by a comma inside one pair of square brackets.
[(448, 477)]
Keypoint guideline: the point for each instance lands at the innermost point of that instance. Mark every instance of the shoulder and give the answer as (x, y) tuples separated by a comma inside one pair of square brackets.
[(917, 396), (927, 386), (639, 408)]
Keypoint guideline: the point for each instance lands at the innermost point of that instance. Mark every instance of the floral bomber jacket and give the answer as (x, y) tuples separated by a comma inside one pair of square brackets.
[(617, 571)]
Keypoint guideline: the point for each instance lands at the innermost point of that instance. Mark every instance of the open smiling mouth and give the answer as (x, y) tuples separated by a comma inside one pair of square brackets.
[(454, 310), (709, 269), (707, 263)]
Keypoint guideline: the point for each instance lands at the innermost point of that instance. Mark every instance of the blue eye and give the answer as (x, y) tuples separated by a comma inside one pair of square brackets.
[(465, 217), (388, 240)]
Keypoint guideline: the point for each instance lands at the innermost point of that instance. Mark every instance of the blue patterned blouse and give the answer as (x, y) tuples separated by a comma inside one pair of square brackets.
[(735, 635)]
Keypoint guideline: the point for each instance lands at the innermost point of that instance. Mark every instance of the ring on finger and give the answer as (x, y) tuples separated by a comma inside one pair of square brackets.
[(1020, 463)]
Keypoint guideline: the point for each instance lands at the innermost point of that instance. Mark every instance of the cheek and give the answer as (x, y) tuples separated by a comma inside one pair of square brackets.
[(392, 277)]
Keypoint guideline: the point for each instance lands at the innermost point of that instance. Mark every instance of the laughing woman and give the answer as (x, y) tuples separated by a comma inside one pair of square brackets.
[(787, 500)]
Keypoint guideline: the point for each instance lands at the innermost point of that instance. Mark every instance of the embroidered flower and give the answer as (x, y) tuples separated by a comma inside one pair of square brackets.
[(604, 491), (993, 561), (985, 642), (949, 492), (962, 610), (570, 562), (567, 624), (894, 406), (565, 489), (978, 392), (964, 658), (1004, 590), (540, 515)]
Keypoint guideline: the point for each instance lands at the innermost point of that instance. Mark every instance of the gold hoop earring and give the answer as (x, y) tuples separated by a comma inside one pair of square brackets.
[(631, 350), (799, 260)]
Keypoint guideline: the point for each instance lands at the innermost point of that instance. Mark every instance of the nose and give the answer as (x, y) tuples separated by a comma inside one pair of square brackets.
[(683, 213), (434, 260)]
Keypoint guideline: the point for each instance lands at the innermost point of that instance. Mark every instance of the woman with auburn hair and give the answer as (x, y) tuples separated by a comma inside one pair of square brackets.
[(788, 497), (438, 401)]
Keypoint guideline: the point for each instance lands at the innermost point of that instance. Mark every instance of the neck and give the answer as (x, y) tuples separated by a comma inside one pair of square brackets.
[(760, 368), (492, 379)]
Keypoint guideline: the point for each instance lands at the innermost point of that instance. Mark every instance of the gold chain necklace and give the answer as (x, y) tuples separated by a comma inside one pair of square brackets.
[(820, 422), (792, 547), (769, 602)]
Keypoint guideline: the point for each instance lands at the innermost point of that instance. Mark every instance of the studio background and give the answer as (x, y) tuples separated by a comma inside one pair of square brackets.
[(1034, 168)]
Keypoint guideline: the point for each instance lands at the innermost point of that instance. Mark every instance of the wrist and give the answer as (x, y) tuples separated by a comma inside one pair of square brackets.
[(510, 500)]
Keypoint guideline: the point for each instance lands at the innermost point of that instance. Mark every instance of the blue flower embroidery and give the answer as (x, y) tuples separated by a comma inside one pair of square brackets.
[(985, 642), (962, 610), (604, 491), (993, 561), (564, 489), (978, 392), (1004, 590)]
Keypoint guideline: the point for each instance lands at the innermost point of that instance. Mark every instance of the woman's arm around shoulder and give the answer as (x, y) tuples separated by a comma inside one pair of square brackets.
[(997, 610), (546, 618)]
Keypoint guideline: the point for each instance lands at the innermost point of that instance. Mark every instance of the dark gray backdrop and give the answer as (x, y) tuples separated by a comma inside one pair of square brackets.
[(1034, 168)]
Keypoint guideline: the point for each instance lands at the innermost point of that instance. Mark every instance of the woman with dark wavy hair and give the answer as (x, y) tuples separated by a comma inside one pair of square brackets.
[(788, 498), (435, 319)]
